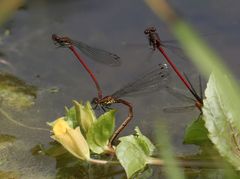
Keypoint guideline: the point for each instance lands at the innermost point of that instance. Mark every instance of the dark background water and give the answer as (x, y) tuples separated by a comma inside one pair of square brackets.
[(116, 26)]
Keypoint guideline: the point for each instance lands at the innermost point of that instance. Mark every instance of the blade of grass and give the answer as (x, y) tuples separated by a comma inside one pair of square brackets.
[(7, 8), (171, 167)]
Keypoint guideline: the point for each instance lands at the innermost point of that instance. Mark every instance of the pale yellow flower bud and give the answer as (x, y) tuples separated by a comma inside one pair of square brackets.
[(71, 139), (85, 115)]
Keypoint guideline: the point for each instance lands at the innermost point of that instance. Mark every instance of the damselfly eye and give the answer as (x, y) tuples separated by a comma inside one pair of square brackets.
[(153, 29), (162, 66), (161, 74), (55, 37), (146, 31), (94, 101)]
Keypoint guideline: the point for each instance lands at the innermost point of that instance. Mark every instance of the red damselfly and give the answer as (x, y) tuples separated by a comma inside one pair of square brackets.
[(153, 80), (99, 55), (156, 43), (94, 53)]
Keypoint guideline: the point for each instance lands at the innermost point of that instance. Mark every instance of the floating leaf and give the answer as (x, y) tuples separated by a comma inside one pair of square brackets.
[(15, 93), (100, 131), (133, 152), (196, 133), (219, 123)]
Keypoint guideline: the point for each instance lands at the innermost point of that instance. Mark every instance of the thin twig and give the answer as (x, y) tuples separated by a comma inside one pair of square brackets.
[(181, 162), (8, 117), (189, 163)]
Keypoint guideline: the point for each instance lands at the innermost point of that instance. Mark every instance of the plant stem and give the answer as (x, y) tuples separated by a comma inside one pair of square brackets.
[(182, 163), (103, 162), (189, 163)]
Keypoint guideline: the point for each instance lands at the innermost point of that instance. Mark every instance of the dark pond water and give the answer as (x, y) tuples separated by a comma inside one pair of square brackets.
[(118, 27)]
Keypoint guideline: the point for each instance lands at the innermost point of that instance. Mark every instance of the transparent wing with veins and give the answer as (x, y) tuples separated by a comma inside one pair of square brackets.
[(98, 55), (183, 97), (150, 81), (173, 48), (179, 109), (179, 94)]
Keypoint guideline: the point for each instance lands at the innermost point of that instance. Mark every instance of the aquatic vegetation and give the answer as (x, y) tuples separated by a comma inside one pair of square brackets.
[(91, 144), (221, 124), (6, 138), (133, 152), (5, 142), (10, 174), (15, 93)]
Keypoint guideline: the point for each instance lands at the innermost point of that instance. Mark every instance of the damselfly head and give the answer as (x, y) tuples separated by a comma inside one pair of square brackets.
[(61, 41), (150, 30), (95, 102)]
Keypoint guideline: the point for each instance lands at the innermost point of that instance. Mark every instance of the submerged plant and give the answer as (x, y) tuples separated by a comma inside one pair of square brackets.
[(15, 93)]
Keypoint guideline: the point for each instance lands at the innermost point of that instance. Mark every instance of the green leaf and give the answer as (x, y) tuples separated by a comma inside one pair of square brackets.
[(80, 115), (145, 174), (100, 131), (131, 157), (196, 133), (144, 142), (71, 117), (219, 122), (133, 152), (84, 115)]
